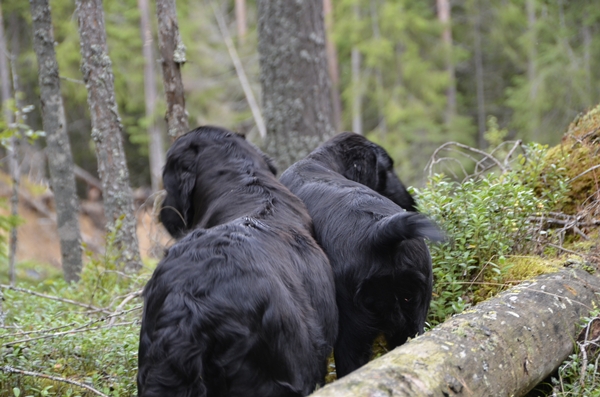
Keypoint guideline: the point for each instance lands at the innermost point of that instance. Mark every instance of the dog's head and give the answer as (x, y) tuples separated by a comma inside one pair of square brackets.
[(360, 160), (194, 163)]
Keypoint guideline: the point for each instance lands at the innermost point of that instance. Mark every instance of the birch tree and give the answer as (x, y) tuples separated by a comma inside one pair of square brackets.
[(107, 131), (294, 76)]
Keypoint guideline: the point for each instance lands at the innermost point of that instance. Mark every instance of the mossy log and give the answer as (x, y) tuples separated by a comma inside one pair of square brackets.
[(500, 347)]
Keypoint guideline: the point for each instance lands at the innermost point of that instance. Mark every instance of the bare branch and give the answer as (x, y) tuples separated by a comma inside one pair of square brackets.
[(54, 378), (82, 328), (585, 172), (239, 68), (64, 300)]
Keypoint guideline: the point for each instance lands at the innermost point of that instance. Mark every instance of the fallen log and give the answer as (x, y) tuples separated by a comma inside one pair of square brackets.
[(501, 347)]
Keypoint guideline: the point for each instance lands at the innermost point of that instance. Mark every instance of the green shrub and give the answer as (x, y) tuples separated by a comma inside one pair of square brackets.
[(486, 219), (86, 333)]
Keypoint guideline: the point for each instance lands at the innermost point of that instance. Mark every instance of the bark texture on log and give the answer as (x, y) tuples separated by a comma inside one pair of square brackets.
[(172, 52), (501, 347), (107, 131), (60, 158), (296, 87)]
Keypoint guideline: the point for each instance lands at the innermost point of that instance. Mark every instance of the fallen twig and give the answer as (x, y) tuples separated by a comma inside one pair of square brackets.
[(51, 377), (56, 298), (82, 328)]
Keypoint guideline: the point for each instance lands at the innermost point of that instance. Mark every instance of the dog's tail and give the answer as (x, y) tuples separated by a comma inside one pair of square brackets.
[(404, 226)]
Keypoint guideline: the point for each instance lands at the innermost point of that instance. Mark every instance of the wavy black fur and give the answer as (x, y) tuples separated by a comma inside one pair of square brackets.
[(244, 304), (381, 265)]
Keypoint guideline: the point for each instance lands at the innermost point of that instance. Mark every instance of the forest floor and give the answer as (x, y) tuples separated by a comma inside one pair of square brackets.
[(38, 239)]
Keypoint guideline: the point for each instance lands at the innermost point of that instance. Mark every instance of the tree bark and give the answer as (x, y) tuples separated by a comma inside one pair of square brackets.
[(172, 52), (240, 20), (13, 162), (107, 132), (479, 83), (60, 158), (443, 12), (532, 68), (356, 86), (4, 96), (382, 124), (332, 62), (157, 150), (295, 81), (501, 347)]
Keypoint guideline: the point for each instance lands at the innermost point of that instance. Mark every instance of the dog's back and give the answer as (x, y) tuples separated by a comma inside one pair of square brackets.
[(246, 306), (382, 267)]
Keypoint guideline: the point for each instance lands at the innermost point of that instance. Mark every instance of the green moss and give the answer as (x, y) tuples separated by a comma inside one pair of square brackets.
[(516, 268), (577, 153)]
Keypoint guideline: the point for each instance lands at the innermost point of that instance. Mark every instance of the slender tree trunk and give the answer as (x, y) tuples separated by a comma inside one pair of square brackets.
[(240, 20), (239, 69), (444, 16), (356, 91), (60, 159), (13, 154), (295, 78), (502, 347), (356, 88), (332, 62), (107, 131), (382, 125), (531, 68), (5, 97), (172, 52), (587, 51), (479, 83), (157, 150)]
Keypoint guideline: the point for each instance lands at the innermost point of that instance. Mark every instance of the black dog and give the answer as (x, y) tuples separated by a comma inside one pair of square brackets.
[(381, 265), (244, 304)]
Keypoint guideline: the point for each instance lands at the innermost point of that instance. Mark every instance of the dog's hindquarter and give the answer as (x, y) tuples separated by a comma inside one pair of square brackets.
[(225, 322)]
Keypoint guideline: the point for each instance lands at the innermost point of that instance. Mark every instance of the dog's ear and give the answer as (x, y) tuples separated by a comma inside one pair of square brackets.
[(360, 165), (179, 180), (388, 184), (403, 226)]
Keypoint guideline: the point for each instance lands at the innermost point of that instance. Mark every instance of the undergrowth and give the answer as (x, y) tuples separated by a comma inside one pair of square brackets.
[(85, 333), (489, 219)]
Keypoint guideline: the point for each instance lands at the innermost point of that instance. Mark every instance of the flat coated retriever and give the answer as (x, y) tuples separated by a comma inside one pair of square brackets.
[(244, 304), (381, 264)]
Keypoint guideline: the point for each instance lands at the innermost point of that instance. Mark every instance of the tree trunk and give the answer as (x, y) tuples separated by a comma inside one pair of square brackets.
[(501, 347), (13, 149), (60, 159), (382, 124), (356, 91), (295, 81), (157, 151), (5, 97), (531, 68), (172, 52), (240, 20), (356, 86), (443, 12), (107, 132), (479, 83), (332, 62)]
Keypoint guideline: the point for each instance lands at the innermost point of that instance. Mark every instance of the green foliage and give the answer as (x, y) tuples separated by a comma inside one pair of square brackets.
[(86, 332), (579, 375), (486, 220)]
